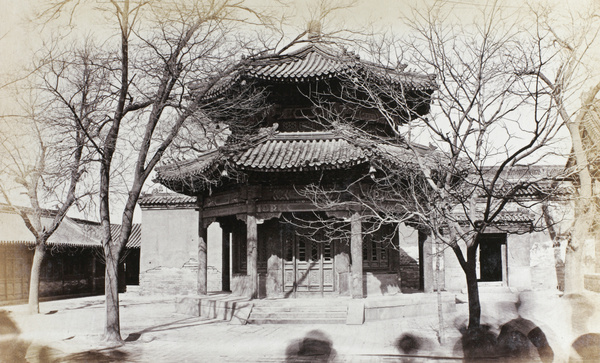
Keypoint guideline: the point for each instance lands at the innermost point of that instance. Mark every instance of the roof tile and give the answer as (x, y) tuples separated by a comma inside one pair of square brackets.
[(313, 62), (281, 151), (165, 198), (135, 238)]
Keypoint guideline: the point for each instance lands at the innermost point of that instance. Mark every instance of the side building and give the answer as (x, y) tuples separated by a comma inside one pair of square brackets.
[(73, 265)]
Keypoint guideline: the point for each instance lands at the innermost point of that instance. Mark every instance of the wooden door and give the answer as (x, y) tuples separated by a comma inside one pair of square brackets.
[(308, 264), (15, 266)]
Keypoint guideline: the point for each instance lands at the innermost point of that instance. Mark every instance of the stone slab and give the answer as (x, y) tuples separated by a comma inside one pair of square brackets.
[(188, 305), (356, 313)]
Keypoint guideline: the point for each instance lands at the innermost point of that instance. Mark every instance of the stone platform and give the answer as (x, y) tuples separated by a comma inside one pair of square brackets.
[(338, 310)]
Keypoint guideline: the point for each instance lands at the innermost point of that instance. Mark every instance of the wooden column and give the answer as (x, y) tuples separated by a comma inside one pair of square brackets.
[(202, 263), (274, 283), (225, 266), (356, 287), (252, 254)]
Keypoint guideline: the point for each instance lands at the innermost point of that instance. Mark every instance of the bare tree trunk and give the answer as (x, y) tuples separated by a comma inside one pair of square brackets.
[(112, 329), (34, 283), (438, 256), (473, 293), (574, 259), (584, 205), (574, 256)]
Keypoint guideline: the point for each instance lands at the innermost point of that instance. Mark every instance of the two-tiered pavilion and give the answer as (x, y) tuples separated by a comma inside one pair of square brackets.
[(253, 188)]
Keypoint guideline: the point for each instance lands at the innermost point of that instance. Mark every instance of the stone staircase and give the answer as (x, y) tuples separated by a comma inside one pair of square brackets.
[(298, 312), (339, 310)]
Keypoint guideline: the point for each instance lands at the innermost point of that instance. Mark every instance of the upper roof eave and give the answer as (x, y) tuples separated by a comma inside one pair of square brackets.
[(313, 62)]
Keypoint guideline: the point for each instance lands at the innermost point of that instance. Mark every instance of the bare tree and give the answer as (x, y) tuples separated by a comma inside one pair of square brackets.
[(44, 155), (162, 50), (488, 126), (566, 66)]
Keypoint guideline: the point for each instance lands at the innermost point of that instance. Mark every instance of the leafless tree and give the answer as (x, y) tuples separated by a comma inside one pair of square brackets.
[(162, 50), (566, 64), (44, 155), (488, 125)]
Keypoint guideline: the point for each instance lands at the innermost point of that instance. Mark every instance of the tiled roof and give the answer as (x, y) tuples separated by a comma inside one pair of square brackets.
[(135, 239), (514, 217), (166, 198), (314, 62), (295, 151), (71, 232), (13, 229), (504, 218)]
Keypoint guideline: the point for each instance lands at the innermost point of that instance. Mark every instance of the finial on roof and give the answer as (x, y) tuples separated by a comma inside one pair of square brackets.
[(314, 30)]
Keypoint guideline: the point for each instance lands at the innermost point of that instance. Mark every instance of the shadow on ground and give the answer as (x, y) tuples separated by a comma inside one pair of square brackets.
[(97, 356)]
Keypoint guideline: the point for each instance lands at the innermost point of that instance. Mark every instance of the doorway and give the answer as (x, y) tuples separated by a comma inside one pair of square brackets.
[(308, 264), (490, 256)]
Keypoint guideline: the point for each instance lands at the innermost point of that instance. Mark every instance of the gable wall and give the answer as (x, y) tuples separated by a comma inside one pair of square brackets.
[(168, 260)]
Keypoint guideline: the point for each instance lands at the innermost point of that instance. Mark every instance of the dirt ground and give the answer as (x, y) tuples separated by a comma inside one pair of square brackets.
[(71, 330)]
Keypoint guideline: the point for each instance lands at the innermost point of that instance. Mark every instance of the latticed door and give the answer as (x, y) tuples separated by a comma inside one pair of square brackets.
[(308, 264)]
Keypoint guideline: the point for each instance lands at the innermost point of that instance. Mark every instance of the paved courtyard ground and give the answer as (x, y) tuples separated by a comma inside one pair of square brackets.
[(71, 330)]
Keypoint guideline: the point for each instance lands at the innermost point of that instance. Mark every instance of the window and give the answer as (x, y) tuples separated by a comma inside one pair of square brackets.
[(375, 255), (302, 250)]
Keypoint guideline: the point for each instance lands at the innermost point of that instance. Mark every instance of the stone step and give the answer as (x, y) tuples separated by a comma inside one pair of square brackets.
[(298, 315), (298, 312), (313, 309), (302, 303), (298, 321)]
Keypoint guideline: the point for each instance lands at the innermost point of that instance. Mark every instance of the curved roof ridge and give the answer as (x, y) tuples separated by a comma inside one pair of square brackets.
[(322, 47)]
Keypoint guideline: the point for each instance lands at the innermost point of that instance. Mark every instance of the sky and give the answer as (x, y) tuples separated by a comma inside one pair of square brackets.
[(19, 38)]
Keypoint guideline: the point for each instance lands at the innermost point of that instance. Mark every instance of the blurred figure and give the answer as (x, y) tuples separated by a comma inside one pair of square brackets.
[(412, 347), (587, 347), (409, 344), (12, 348), (314, 347), (478, 344)]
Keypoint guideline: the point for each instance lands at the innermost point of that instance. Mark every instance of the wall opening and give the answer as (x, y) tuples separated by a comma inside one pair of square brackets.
[(490, 256)]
